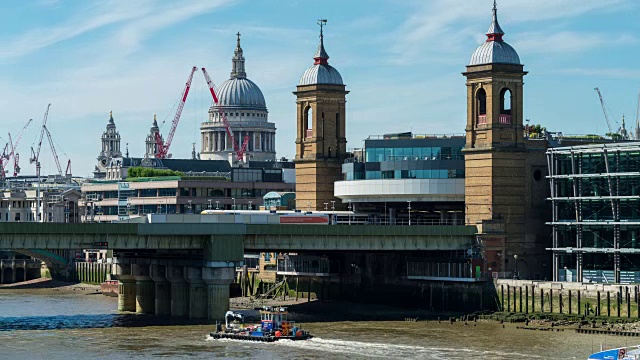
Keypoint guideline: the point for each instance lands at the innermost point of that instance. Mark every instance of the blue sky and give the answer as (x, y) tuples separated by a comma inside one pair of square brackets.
[(401, 60)]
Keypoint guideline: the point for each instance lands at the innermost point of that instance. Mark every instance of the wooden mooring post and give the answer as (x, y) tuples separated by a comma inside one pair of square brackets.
[(628, 305), (526, 299), (508, 299), (502, 297), (560, 301), (533, 299), (570, 303), (520, 298), (598, 312), (608, 303), (578, 302), (541, 300), (515, 298), (551, 301)]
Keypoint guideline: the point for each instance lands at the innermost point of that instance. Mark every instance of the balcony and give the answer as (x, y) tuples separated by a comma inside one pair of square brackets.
[(504, 119)]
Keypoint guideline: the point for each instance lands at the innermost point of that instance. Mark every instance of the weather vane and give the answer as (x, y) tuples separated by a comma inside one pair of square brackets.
[(322, 22)]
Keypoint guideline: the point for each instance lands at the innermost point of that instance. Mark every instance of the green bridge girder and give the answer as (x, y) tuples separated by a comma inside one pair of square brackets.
[(228, 239)]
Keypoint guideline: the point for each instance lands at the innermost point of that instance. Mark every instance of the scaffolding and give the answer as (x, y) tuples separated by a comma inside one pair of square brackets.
[(595, 198)]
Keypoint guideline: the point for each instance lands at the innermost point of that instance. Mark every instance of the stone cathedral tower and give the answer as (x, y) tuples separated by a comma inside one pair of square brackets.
[(321, 145), (110, 145)]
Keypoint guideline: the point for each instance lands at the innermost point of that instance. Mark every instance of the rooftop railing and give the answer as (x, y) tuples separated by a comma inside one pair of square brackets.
[(414, 136)]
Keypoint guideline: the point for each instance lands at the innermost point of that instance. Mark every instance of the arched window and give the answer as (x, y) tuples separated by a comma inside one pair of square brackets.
[(308, 122), (481, 103), (505, 106)]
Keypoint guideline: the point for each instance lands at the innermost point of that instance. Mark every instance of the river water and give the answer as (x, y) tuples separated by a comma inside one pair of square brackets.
[(38, 325)]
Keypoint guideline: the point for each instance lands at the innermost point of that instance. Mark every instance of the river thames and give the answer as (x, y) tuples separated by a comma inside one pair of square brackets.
[(37, 324)]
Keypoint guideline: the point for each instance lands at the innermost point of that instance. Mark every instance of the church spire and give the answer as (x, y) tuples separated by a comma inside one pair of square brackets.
[(495, 32), (321, 55), (111, 122), (238, 62)]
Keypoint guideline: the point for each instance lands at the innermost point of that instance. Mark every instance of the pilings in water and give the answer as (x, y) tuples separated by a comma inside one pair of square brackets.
[(619, 301)]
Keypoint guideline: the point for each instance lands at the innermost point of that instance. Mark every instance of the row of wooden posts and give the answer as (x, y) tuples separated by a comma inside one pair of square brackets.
[(514, 302)]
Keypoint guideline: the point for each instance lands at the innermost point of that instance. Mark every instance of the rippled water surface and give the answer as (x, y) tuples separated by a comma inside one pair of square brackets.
[(67, 326)]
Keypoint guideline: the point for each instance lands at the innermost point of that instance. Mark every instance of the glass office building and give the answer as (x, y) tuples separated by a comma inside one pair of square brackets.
[(397, 171)]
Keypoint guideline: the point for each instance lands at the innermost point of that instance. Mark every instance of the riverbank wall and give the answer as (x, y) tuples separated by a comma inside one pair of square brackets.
[(90, 273)]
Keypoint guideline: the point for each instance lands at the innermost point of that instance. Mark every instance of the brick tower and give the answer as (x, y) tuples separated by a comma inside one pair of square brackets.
[(495, 150), (321, 145)]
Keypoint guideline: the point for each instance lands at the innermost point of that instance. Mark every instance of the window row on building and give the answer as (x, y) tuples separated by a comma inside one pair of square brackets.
[(407, 174), (378, 154)]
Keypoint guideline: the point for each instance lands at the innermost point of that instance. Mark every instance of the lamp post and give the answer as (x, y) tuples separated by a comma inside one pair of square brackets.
[(217, 205), (326, 205), (190, 208), (565, 274), (234, 203), (349, 212), (209, 208), (409, 207), (250, 201), (515, 267), (333, 205)]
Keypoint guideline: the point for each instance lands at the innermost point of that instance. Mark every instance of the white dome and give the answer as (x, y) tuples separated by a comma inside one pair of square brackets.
[(241, 93), (321, 74), (495, 52)]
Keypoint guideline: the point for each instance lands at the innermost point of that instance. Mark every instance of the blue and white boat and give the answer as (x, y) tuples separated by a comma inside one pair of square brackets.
[(624, 353)]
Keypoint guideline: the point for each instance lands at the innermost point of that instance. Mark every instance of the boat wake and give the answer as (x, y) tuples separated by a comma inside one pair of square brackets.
[(381, 350)]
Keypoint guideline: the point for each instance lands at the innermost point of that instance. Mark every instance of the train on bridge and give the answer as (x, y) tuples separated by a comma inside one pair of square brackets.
[(288, 217)]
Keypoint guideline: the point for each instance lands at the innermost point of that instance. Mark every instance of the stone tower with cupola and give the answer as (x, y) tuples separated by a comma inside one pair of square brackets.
[(499, 159), (321, 144), (110, 145)]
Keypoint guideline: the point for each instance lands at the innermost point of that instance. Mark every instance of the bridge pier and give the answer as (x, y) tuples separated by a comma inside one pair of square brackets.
[(145, 289), (218, 281), (162, 289), (197, 293), (126, 287), (179, 291)]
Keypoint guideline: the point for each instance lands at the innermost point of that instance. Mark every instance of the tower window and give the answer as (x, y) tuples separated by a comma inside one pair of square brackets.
[(505, 101), (481, 104), (308, 122), (505, 106)]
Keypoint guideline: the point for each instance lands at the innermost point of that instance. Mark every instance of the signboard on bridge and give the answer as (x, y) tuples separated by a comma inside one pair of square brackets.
[(305, 219)]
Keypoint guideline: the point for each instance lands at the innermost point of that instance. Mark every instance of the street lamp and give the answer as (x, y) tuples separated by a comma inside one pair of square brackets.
[(349, 212), (234, 203), (190, 208), (333, 205), (565, 274), (209, 208), (515, 267), (217, 205), (409, 207), (250, 201), (326, 206)]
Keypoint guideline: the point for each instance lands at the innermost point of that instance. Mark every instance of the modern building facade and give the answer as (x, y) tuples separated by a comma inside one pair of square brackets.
[(403, 172), (595, 197), (243, 189), (242, 103), (321, 145)]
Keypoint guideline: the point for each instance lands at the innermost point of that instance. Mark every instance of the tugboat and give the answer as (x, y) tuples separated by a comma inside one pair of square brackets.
[(273, 326), (625, 353)]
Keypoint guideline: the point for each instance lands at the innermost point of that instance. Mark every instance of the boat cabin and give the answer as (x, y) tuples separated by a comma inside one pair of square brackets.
[(274, 318)]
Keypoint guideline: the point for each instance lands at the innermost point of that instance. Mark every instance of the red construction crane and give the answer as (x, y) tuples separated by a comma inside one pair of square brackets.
[(237, 149), (162, 151), (14, 147)]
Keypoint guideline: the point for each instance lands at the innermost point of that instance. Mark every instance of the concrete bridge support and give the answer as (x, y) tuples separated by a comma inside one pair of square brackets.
[(218, 281), (197, 293), (126, 287), (145, 289), (162, 289), (179, 291)]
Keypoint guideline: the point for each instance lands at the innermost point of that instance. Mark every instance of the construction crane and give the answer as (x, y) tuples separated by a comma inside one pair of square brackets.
[(14, 147), (53, 149), (4, 159), (35, 158), (162, 150), (637, 128), (239, 150), (604, 110)]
